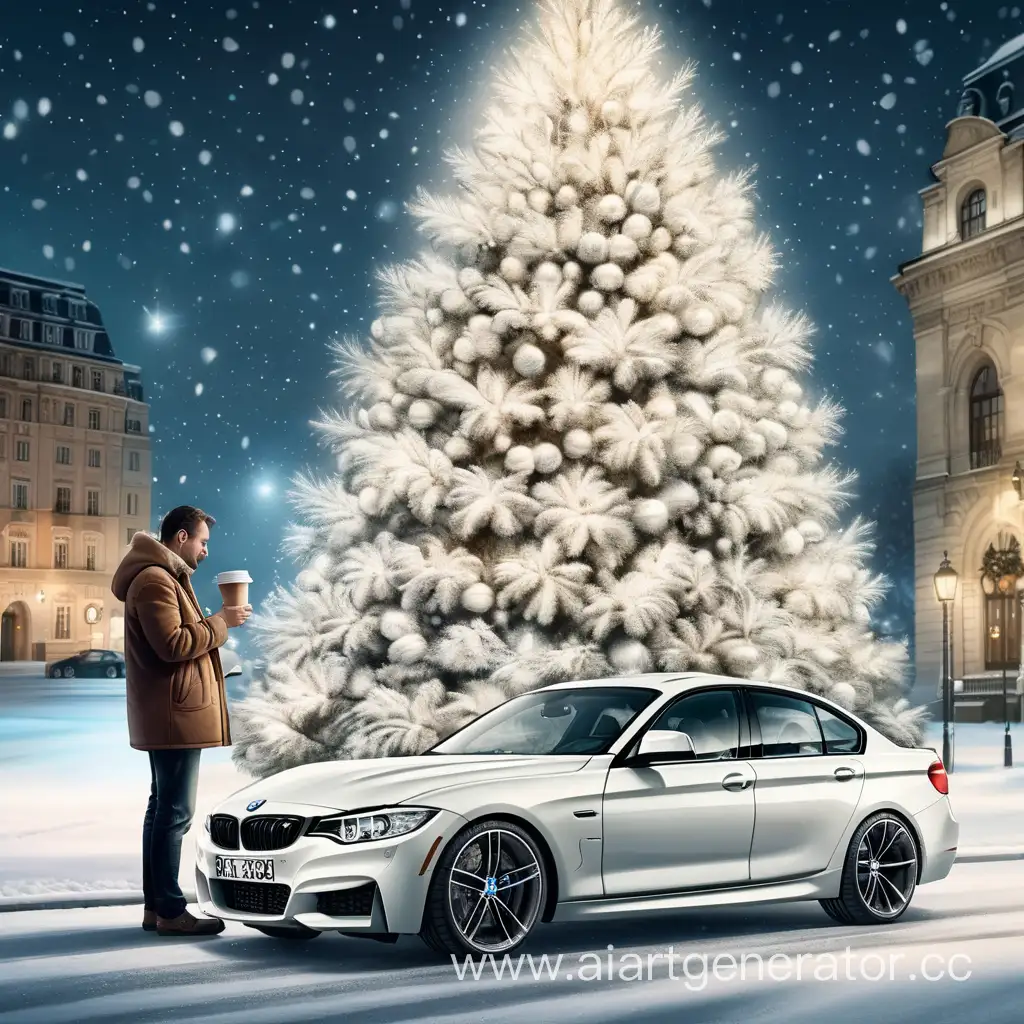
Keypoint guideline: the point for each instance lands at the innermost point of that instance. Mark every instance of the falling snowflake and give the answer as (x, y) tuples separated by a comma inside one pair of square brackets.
[(48, 251), (349, 143), (199, 389), (888, 101), (152, 98), (863, 148), (288, 60), (182, 478), (774, 89), (229, 44), (177, 128), (297, 97), (205, 157), (901, 26), (138, 44), (245, 442), (44, 108), (69, 39), (208, 355)]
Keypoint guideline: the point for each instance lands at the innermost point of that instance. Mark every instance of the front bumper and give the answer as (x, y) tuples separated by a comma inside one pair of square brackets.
[(377, 887)]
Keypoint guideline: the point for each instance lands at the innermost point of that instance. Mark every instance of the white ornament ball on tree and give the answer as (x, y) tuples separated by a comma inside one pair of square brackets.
[(401, 401), (383, 416), (661, 240), (651, 516), (394, 624), (791, 543), (637, 227), (539, 200), (813, 532), (613, 112), (572, 271), (622, 250), (773, 380), (464, 350), (422, 414), (724, 460), (608, 277), (646, 199), (577, 443), (698, 319), (377, 329), (611, 209), (590, 303), (630, 657), (477, 598), (726, 425), (592, 248), (566, 197), (680, 497), (546, 457), (408, 650), (519, 459), (512, 269), (359, 683), (528, 361), (435, 317), (502, 443), (369, 501), (458, 449), (516, 203)]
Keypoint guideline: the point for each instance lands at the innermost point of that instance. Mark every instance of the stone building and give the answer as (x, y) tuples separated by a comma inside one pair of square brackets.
[(75, 470), (965, 292)]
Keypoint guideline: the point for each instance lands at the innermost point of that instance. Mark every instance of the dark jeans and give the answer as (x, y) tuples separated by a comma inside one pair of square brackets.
[(172, 804)]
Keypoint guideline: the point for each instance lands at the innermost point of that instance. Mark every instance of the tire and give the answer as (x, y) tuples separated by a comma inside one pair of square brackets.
[(111, 672), (56, 673), (69, 673), (465, 912), (835, 910), (294, 933), (880, 872)]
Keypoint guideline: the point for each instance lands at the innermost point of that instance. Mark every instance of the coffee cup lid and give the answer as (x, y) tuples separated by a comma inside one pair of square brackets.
[(235, 576)]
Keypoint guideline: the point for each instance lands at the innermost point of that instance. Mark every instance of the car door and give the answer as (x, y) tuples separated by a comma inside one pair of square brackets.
[(809, 783), (686, 822)]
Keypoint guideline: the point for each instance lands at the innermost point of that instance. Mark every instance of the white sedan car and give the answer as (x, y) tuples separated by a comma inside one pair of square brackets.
[(589, 799)]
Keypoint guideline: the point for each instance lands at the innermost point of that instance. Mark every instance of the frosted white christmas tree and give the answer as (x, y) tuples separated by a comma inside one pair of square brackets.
[(575, 445)]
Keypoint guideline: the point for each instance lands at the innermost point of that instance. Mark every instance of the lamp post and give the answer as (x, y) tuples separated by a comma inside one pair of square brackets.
[(994, 634), (945, 591)]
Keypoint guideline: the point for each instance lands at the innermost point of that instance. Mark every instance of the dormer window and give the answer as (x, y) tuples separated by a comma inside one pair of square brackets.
[(50, 304), (972, 214), (970, 104), (1004, 99)]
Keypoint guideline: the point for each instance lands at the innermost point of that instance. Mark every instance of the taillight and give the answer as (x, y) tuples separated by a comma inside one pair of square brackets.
[(938, 777)]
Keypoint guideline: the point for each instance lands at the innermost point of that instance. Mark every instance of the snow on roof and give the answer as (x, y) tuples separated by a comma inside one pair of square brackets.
[(1009, 49)]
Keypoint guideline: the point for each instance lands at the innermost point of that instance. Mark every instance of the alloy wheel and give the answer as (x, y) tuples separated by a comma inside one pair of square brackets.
[(495, 889), (886, 867)]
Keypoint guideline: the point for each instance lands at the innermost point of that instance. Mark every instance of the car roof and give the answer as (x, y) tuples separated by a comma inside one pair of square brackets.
[(680, 682)]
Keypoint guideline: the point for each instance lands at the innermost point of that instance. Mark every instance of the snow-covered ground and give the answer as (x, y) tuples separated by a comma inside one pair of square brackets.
[(73, 793), (954, 957)]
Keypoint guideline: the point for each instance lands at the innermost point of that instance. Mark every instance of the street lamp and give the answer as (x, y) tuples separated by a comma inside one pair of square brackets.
[(945, 591), (1018, 478)]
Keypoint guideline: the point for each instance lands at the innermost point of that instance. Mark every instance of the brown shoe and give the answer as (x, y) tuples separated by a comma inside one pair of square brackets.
[(186, 924), (149, 920)]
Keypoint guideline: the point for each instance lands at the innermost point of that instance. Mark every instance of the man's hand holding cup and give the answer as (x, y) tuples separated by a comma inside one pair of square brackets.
[(235, 615), (234, 592)]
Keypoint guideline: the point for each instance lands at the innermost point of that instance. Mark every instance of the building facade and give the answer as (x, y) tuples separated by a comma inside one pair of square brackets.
[(965, 292), (75, 470)]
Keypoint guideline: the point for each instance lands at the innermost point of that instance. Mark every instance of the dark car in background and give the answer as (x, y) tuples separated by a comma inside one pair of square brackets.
[(90, 665), (110, 665)]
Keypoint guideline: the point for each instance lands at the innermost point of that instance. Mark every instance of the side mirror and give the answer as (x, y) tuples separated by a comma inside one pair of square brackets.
[(665, 745)]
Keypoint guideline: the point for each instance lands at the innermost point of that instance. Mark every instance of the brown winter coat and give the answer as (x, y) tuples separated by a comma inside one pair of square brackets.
[(175, 684)]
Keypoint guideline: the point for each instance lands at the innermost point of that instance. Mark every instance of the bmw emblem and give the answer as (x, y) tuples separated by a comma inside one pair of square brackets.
[(255, 804)]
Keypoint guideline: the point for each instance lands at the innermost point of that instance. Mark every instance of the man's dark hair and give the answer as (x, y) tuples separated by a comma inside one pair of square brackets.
[(184, 517)]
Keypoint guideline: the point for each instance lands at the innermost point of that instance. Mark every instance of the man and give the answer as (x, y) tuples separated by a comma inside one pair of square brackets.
[(177, 703)]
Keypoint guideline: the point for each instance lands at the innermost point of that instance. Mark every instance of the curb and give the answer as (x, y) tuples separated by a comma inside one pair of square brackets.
[(121, 898), (76, 900)]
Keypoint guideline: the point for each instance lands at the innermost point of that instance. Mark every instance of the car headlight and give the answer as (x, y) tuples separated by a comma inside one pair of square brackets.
[(369, 826), (207, 822)]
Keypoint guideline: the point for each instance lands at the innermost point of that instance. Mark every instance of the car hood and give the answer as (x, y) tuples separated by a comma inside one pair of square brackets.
[(379, 781)]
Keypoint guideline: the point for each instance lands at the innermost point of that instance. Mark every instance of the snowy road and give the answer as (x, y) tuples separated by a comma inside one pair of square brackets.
[(966, 933)]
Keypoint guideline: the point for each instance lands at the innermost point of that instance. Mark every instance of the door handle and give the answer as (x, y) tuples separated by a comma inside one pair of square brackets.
[(736, 782), (843, 774)]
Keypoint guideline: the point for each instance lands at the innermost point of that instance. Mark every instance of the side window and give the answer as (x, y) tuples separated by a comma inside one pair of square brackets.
[(711, 720), (789, 727), (840, 736)]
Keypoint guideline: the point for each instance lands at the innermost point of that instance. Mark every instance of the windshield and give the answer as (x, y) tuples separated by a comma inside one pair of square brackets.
[(580, 720)]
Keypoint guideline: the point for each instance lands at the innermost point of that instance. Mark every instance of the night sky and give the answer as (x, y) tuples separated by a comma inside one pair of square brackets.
[(234, 174)]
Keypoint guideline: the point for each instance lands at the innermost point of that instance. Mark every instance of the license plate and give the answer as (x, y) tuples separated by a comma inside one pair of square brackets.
[(244, 869)]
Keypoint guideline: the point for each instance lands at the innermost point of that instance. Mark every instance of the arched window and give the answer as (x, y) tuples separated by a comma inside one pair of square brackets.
[(1004, 98), (986, 418), (972, 214)]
